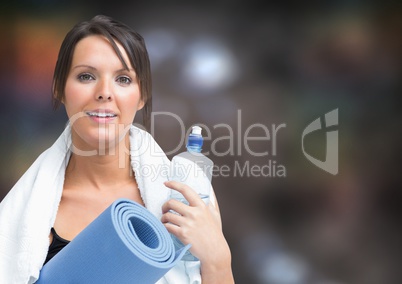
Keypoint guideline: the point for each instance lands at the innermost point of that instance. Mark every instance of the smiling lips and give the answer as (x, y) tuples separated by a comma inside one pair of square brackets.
[(102, 116)]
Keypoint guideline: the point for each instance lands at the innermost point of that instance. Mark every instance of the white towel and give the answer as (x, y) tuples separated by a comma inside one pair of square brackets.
[(29, 210)]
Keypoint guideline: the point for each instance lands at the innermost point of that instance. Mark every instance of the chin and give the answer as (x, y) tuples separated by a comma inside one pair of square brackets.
[(99, 138)]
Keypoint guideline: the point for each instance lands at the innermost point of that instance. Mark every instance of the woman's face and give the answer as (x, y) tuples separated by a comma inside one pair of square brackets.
[(101, 96)]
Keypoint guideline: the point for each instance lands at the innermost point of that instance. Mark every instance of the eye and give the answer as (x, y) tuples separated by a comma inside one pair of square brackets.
[(85, 77), (124, 80)]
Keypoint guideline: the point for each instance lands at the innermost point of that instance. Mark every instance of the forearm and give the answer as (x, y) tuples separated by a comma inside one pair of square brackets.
[(218, 270)]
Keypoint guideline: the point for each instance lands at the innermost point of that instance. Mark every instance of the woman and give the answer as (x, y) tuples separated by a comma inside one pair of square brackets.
[(102, 77)]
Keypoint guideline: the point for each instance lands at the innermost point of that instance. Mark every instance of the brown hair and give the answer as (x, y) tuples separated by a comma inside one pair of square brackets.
[(132, 42)]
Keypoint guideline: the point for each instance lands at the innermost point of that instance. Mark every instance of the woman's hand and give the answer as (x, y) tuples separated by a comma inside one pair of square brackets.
[(200, 225)]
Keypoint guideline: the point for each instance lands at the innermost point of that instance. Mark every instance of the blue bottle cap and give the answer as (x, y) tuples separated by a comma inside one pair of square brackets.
[(195, 140)]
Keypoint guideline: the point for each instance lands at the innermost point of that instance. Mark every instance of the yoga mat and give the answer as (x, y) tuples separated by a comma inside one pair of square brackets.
[(125, 244)]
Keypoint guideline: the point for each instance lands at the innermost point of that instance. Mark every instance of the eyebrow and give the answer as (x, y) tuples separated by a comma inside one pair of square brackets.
[(93, 68)]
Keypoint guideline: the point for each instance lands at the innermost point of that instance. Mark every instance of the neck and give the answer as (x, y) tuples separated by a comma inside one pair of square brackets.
[(101, 171)]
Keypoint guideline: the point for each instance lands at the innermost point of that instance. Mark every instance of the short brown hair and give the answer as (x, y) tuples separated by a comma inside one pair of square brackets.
[(132, 42)]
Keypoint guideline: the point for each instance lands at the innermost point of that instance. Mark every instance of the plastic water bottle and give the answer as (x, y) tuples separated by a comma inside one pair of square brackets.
[(195, 170)]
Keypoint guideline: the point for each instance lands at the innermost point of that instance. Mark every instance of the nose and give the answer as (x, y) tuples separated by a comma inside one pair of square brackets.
[(104, 91), (103, 97)]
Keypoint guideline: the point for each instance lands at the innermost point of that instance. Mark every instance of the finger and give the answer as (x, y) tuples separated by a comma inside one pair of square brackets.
[(174, 205), (173, 229), (178, 232), (189, 194), (172, 218)]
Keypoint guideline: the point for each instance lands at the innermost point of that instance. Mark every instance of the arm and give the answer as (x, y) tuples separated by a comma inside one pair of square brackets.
[(200, 225)]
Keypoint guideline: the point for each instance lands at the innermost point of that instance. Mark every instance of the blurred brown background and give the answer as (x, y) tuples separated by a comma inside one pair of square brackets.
[(225, 62)]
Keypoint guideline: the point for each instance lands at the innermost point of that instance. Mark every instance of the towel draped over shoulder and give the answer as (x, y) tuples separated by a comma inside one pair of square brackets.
[(29, 210)]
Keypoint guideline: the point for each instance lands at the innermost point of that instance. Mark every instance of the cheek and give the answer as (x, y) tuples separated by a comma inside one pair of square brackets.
[(128, 111), (73, 96), (130, 105), (69, 90)]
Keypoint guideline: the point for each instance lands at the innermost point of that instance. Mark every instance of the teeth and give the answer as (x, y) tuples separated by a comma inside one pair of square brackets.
[(101, 114)]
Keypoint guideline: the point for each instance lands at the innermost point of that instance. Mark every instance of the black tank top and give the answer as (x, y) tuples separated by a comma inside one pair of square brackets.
[(58, 243)]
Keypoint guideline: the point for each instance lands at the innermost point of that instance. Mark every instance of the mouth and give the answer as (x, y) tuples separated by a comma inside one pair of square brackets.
[(101, 114)]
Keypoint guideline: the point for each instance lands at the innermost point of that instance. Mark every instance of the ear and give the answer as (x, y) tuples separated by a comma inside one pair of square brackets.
[(141, 104), (55, 96), (59, 100)]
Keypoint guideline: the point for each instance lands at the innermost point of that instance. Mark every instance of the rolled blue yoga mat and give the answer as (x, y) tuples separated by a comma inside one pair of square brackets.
[(125, 244)]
